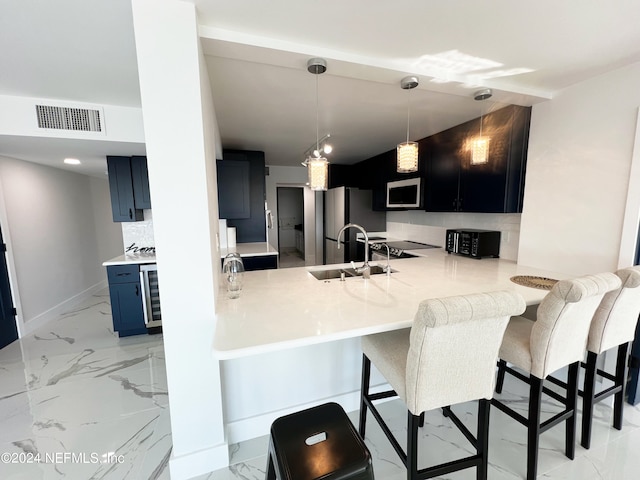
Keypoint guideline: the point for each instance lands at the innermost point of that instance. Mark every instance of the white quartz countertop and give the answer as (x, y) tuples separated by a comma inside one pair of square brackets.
[(131, 259), (287, 308), (254, 249)]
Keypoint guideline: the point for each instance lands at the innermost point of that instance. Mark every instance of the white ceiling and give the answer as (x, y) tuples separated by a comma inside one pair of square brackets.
[(256, 54)]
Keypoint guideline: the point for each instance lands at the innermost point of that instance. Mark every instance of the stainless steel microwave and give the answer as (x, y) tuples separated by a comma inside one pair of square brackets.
[(404, 193)]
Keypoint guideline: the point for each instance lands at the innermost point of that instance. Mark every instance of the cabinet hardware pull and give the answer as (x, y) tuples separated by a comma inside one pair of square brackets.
[(130, 214), (137, 290)]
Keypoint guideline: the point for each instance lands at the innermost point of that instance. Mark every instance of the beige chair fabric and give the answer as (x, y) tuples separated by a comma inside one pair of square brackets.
[(558, 337), (614, 322), (449, 354)]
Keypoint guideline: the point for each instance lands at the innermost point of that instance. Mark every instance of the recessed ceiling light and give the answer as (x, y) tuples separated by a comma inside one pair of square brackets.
[(72, 161)]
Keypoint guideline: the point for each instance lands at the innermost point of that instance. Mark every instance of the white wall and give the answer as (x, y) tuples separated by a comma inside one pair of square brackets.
[(261, 388), (182, 178), (578, 172), (108, 234), (60, 230)]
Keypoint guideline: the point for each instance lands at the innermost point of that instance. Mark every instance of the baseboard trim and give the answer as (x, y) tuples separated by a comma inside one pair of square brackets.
[(45, 317), (200, 462), (260, 425)]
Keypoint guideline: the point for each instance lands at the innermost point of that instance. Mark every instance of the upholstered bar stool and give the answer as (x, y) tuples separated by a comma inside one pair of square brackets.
[(556, 339), (318, 443), (613, 325), (447, 357)]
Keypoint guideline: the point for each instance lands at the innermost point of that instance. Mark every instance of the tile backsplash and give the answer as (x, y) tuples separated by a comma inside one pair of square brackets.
[(428, 227), (140, 233)]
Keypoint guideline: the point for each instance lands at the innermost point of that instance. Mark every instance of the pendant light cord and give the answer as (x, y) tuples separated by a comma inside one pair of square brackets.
[(408, 112), (317, 119)]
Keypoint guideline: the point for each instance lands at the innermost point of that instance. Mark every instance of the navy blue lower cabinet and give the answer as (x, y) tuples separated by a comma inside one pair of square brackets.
[(258, 262), (126, 300)]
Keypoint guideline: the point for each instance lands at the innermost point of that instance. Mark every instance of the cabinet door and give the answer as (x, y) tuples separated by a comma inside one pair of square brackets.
[(373, 174), (496, 186), (121, 190), (482, 186), (234, 189), (443, 166), (260, 262), (126, 308), (140, 175)]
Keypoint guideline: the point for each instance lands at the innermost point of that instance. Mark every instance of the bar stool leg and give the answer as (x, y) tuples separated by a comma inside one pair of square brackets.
[(533, 428), (271, 472), (412, 446), (621, 379), (501, 371), (572, 402), (364, 390), (483, 438), (588, 398)]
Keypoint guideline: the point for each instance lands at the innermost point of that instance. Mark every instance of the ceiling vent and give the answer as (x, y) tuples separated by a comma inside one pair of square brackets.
[(67, 118)]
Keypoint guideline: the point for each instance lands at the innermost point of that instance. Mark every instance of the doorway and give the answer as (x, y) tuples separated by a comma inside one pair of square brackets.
[(8, 327), (291, 239)]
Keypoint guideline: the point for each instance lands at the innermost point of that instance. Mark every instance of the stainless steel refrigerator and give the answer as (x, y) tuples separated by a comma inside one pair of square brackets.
[(344, 205)]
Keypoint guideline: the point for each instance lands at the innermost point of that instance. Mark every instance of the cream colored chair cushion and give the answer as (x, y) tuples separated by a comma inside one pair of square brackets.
[(449, 354), (614, 322), (558, 337)]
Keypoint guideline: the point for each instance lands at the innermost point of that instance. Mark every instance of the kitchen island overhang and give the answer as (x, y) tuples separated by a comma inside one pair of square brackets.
[(288, 308)]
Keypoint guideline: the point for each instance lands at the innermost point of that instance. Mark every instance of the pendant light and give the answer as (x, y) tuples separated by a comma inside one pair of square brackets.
[(407, 152), (317, 165), (480, 145)]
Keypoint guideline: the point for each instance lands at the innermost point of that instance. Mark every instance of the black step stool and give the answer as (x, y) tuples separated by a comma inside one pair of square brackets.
[(317, 443)]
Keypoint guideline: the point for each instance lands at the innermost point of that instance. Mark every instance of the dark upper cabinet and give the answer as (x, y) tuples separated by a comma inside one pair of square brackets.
[(234, 187), (453, 184), (121, 189), (373, 174), (341, 176), (443, 170), (140, 177), (450, 182), (237, 190)]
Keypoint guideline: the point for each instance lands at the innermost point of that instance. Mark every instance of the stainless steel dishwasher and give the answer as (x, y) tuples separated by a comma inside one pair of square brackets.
[(151, 295)]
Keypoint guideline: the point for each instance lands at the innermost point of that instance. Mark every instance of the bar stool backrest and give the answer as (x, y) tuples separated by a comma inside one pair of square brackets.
[(454, 344), (559, 335), (614, 322)]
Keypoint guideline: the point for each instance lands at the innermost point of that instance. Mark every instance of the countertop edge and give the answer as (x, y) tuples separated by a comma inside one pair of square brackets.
[(130, 260)]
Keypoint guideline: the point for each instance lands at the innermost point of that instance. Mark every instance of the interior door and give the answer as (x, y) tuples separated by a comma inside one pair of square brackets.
[(8, 328)]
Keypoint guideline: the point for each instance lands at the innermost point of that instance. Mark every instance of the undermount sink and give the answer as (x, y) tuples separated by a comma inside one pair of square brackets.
[(349, 272)]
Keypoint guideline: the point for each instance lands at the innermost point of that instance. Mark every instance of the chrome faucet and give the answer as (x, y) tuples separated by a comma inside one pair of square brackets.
[(387, 269), (364, 269)]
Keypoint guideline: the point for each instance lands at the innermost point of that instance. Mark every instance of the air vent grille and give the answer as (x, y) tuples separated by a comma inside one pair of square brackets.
[(67, 118)]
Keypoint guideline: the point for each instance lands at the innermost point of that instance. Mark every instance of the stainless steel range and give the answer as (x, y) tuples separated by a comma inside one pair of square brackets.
[(396, 249)]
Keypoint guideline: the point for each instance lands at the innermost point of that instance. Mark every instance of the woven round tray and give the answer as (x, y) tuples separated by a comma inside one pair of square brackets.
[(542, 283)]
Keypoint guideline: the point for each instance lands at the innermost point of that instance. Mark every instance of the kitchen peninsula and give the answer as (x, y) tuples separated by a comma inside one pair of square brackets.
[(288, 308)]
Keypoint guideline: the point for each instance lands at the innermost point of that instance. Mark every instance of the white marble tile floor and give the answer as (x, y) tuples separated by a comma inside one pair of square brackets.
[(78, 402), (95, 406)]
